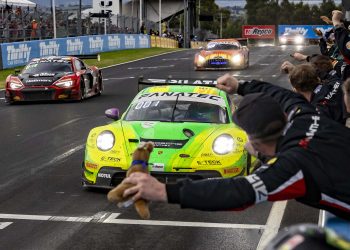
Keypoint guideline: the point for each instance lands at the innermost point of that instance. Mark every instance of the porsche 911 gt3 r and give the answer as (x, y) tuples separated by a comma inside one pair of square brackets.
[(54, 78), (190, 126), (222, 54)]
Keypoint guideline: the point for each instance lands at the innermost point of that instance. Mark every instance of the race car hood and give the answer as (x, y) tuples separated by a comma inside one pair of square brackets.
[(168, 137), (219, 53), (42, 79)]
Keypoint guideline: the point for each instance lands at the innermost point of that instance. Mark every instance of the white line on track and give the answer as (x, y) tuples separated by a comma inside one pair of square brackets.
[(153, 67), (112, 219), (4, 224), (273, 223), (176, 59), (118, 78)]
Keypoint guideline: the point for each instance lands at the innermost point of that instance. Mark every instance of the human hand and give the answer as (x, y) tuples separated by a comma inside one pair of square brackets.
[(298, 56), (287, 67), (249, 147), (336, 17), (146, 187), (227, 83), (326, 19)]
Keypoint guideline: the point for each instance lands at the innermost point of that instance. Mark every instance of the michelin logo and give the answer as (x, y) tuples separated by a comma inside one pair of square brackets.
[(18, 55), (130, 42), (74, 46), (114, 42), (49, 49), (143, 42), (95, 44)]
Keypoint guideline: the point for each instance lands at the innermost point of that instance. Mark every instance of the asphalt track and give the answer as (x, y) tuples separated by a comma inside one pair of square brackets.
[(42, 204)]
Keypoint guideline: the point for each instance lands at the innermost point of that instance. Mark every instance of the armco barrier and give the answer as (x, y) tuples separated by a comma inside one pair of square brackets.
[(19, 53), (306, 30)]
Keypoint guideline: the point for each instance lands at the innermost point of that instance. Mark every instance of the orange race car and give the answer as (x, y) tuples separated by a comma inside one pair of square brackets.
[(222, 54)]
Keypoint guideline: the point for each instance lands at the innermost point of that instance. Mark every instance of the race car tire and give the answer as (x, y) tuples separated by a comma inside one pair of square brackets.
[(82, 90), (99, 85)]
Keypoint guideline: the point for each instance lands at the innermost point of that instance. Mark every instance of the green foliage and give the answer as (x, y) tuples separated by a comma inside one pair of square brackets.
[(285, 12)]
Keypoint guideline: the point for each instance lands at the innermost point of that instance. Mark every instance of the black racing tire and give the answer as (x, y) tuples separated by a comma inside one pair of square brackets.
[(82, 90), (100, 84)]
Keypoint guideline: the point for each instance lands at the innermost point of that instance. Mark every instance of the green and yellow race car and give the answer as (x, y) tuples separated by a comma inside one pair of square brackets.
[(190, 124)]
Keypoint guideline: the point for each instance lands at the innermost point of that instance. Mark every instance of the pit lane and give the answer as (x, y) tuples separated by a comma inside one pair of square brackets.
[(42, 204)]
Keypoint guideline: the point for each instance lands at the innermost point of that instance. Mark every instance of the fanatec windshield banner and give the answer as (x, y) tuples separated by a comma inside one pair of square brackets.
[(19, 53)]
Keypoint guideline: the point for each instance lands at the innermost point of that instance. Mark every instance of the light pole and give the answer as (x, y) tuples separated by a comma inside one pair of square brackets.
[(79, 20), (54, 18), (160, 17), (220, 24)]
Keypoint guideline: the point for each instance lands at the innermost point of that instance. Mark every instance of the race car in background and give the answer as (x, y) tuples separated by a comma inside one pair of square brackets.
[(292, 37), (222, 54), (54, 78), (190, 124)]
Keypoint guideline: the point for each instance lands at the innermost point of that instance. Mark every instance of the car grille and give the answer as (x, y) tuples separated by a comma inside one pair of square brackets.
[(218, 62), (170, 177), (38, 95)]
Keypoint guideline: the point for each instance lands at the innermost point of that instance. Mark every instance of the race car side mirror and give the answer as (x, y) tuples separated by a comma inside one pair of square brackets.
[(112, 113)]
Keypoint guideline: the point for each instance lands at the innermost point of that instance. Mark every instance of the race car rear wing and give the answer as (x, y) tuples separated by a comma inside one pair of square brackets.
[(144, 82), (92, 56), (242, 41)]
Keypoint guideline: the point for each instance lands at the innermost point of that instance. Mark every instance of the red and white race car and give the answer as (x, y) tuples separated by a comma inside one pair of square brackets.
[(54, 78), (222, 54)]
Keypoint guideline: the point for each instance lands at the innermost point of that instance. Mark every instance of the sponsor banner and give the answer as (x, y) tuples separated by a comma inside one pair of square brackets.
[(305, 30), (259, 31), (20, 53)]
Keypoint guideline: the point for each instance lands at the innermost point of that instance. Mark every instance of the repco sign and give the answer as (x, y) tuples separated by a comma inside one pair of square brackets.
[(259, 31)]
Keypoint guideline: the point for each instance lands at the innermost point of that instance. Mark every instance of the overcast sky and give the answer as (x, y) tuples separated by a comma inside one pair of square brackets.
[(241, 3)]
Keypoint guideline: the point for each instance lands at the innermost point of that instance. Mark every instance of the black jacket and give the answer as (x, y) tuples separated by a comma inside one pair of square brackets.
[(328, 98), (342, 39), (312, 165)]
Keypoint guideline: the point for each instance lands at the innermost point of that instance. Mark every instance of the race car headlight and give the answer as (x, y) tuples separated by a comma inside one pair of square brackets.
[(16, 85), (283, 39), (65, 84), (236, 59), (201, 59), (105, 140), (299, 39), (223, 144)]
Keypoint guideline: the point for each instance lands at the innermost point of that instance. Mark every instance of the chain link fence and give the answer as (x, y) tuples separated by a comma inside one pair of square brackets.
[(23, 24)]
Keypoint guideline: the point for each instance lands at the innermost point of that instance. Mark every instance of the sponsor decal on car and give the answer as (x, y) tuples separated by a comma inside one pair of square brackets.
[(104, 175), (231, 170), (157, 167), (110, 158), (166, 143), (91, 165), (207, 155), (209, 162)]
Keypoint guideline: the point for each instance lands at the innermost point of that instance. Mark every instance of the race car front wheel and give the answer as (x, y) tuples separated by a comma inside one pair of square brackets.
[(99, 84), (82, 90)]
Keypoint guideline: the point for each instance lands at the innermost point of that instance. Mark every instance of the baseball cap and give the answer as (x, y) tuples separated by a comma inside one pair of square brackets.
[(260, 116)]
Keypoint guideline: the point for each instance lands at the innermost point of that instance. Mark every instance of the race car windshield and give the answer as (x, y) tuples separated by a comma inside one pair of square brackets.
[(222, 46), (176, 111), (47, 67)]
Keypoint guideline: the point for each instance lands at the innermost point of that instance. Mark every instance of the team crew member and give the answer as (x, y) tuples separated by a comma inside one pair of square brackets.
[(342, 39), (346, 90), (325, 94), (311, 165)]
